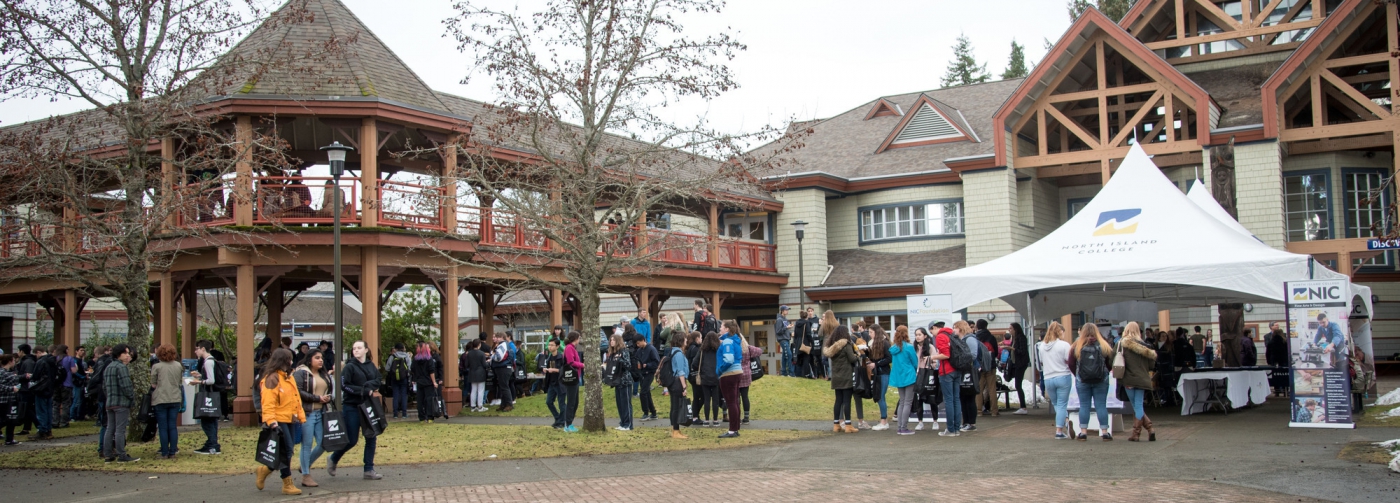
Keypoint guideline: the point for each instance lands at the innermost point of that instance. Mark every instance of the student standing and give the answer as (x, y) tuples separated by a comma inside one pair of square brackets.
[(425, 379), (645, 361), (751, 354), (1020, 361), (166, 398), (709, 378), (281, 411), (9, 394), (476, 370), (680, 369), (398, 374), (902, 373), (314, 386), (949, 379), (619, 364), (923, 351), (1138, 361), (571, 358), (782, 330), (207, 377), (878, 364), (502, 363), (551, 362), (967, 405), (730, 367), (120, 396), (1054, 364), (843, 361), (361, 381), (1089, 363)]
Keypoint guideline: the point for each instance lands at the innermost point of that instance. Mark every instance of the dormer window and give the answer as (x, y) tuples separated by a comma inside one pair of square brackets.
[(927, 125)]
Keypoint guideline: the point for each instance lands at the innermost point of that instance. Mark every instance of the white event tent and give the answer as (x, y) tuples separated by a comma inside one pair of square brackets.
[(1139, 239)]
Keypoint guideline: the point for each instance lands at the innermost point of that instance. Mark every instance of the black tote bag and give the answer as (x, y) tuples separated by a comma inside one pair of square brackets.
[(208, 405), (269, 448), (373, 414), (334, 437)]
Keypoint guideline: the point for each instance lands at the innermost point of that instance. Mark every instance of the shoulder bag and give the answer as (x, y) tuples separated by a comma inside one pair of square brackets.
[(1119, 368)]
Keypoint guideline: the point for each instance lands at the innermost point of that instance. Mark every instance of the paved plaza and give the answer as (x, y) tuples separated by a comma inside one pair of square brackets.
[(1248, 455)]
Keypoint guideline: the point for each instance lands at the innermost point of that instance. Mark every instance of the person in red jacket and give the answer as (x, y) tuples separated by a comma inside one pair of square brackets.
[(949, 379)]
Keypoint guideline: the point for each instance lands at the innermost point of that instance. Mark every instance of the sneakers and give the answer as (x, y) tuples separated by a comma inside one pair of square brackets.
[(646, 418), (969, 427), (745, 420), (946, 433), (881, 427), (919, 427), (12, 442), (1081, 437), (330, 466), (571, 429), (622, 428), (1021, 411), (863, 426), (904, 431), (109, 460), (1061, 436), (372, 475), (207, 450), (127, 459), (729, 434), (1106, 436)]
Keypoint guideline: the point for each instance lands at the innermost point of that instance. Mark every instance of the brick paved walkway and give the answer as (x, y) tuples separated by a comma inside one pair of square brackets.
[(785, 485)]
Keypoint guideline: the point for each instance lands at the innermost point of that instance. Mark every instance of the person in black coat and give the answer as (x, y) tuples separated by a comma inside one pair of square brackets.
[(645, 361), (360, 381), (473, 364), (802, 336), (43, 381), (425, 381)]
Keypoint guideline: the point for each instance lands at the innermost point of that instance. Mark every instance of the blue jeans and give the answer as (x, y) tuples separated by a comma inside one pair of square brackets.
[(43, 413), (624, 406), (75, 410), (554, 399), (952, 400), (787, 368), (1098, 393), (882, 385), (1057, 390), (1135, 395), (167, 422), (353, 417), (310, 432), (400, 399), (211, 433)]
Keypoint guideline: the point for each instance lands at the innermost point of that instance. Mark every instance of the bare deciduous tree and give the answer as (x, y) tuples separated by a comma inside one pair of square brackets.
[(581, 84)]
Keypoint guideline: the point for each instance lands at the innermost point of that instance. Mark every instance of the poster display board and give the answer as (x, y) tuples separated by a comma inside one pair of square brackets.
[(1319, 343), (926, 309)]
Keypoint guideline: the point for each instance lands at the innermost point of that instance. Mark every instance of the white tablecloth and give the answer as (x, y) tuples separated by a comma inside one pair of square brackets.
[(1242, 388)]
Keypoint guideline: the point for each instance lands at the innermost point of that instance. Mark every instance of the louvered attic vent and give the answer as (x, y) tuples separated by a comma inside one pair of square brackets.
[(927, 124)]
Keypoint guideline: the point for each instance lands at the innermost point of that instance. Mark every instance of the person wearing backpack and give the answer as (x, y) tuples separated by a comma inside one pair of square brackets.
[(645, 361), (751, 354), (550, 362), (987, 376), (843, 362), (1055, 378), (968, 396), (42, 382), (673, 373), (211, 378), (1089, 362), (1137, 378), (397, 374), (954, 361), (9, 396), (619, 377), (572, 359), (502, 364), (425, 380)]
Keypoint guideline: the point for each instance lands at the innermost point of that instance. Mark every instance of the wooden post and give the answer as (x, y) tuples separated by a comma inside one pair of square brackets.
[(644, 304), (451, 392), (1105, 172), (1344, 262), (243, 181), (486, 310), (714, 301), (246, 295), (641, 228), (369, 185), (167, 309), (556, 308), (369, 298), (714, 235), (157, 328), (72, 332), (449, 200), (273, 301), (168, 178), (189, 322), (1164, 319), (1067, 321)]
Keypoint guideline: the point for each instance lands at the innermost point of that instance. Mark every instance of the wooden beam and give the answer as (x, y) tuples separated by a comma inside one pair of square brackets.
[(1335, 131), (1107, 91), (1131, 125), (1062, 74), (243, 180), (1042, 140), (1363, 59), (1222, 19), (1318, 119), (1096, 155), (1335, 144), (1073, 127), (1392, 46), (1353, 99), (1233, 35), (1180, 22), (1068, 170), (369, 182), (1101, 72)]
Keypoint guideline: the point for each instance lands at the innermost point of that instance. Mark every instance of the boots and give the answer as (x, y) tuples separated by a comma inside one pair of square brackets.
[(849, 429), (676, 434), (262, 474), (835, 428), (307, 482), (1151, 434), (288, 488), (1137, 431)]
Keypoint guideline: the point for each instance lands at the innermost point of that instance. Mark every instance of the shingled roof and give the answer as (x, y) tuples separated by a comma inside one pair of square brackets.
[(304, 67), (858, 267), (846, 145)]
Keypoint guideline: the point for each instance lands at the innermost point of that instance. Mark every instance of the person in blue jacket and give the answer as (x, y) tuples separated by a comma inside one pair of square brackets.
[(729, 365), (1332, 341), (902, 376), (680, 369)]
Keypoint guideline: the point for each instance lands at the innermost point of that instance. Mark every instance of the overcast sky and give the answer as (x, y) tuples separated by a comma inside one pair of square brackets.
[(805, 58)]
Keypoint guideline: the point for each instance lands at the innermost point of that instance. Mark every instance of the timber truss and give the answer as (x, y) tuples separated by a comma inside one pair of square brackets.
[(1187, 31)]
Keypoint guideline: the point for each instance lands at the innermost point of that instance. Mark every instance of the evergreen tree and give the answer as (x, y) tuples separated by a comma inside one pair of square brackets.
[(964, 69), (1016, 67), (1114, 9)]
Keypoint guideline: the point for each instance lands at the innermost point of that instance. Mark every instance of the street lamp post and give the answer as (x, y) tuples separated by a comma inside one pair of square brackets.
[(335, 153), (801, 272)]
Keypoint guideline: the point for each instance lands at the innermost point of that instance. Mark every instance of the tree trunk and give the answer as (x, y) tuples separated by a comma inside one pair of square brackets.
[(138, 336), (592, 359)]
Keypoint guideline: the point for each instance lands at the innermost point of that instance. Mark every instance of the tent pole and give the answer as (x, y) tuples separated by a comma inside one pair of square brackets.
[(1035, 355)]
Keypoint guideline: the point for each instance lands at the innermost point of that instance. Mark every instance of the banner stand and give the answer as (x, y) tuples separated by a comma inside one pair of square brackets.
[(1319, 348)]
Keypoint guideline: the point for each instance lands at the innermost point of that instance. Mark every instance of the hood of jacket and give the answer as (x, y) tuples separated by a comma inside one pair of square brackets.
[(831, 350)]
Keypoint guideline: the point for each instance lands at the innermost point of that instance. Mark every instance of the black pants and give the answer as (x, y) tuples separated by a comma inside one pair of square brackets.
[(842, 408), (677, 410), (969, 406), (744, 396), (570, 403), (28, 419), (697, 399), (644, 391), (1017, 372), (284, 455), (425, 397), (712, 403), (504, 378)]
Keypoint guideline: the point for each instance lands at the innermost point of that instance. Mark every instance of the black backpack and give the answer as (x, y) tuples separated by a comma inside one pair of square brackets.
[(709, 324), (223, 376), (958, 355), (665, 375), (94, 384), (1092, 367), (398, 369)]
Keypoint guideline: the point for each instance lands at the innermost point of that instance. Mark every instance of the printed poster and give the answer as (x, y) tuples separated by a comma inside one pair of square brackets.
[(923, 310), (1319, 343)]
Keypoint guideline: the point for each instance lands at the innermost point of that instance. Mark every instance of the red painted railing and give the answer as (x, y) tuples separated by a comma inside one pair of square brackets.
[(23, 240), (747, 255), (296, 200), (411, 206)]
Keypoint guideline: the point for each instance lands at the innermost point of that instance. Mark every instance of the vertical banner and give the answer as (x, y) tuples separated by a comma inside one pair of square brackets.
[(1319, 345), (926, 309)]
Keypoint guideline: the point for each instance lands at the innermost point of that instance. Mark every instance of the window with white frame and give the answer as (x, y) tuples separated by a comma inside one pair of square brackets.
[(751, 226), (1307, 207), (1364, 204), (913, 220)]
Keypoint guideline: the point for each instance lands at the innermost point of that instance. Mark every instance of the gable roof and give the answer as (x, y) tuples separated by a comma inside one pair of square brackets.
[(1303, 57), (883, 108), (1061, 57), (848, 145), (928, 122), (362, 67)]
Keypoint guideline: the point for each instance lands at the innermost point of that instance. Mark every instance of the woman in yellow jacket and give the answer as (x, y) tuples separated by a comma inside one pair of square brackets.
[(281, 411)]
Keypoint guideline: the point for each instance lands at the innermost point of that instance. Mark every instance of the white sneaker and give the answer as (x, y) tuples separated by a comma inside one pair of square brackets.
[(880, 427), (945, 433), (620, 428), (919, 427), (1021, 412)]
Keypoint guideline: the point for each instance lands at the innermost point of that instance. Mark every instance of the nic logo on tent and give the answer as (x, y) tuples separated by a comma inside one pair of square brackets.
[(1125, 219)]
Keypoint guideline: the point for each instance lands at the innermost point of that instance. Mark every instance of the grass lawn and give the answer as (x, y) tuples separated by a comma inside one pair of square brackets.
[(74, 429), (1373, 416), (771, 398), (402, 443)]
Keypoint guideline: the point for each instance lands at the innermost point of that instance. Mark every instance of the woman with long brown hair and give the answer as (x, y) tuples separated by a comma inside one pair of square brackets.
[(878, 364), (281, 411), (1055, 377), (166, 398), (709, 380), (1138, 360), (904, 360), (1089, 362), (843, 361)]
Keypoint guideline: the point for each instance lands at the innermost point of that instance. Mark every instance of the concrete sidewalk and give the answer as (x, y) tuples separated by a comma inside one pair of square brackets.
[(1249, 454)]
